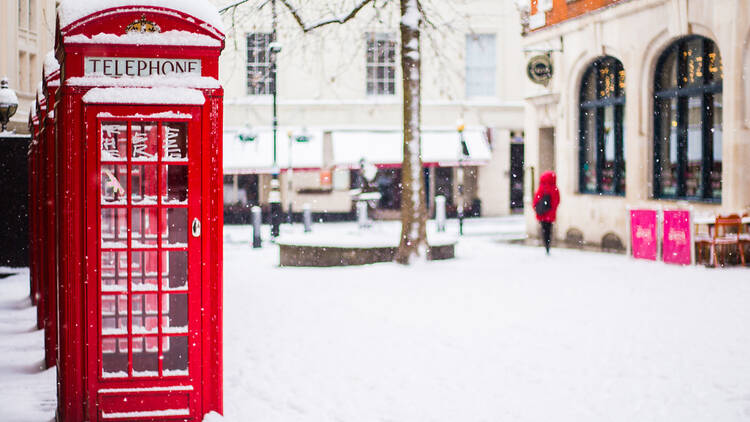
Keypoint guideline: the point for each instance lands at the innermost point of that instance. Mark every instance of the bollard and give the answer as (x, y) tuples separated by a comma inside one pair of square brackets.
[(307, 217), (257, 219), (440, 212), (362, 214)]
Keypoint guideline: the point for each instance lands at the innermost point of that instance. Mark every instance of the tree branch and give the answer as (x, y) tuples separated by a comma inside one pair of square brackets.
[(324, 22)]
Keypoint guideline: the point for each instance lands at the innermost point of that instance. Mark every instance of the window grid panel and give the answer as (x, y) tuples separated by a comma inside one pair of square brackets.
[(601, 131), (381, 64), (133, 325), (259, 71), (695, 64)]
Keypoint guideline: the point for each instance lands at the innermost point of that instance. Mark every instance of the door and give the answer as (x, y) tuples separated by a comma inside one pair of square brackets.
[(143, 308), (516, 176)]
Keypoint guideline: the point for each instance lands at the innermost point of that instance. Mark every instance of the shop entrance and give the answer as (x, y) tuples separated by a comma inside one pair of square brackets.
[(516, 176)]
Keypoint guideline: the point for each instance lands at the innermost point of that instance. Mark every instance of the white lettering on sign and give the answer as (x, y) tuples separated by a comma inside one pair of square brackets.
[(129, 66)]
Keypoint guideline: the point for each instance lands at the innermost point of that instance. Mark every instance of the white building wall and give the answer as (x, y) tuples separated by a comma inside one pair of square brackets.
[(27, 30), (322, 74), (636, 32)]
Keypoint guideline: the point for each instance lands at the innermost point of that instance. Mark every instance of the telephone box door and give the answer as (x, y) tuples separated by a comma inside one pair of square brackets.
[(144, 312)]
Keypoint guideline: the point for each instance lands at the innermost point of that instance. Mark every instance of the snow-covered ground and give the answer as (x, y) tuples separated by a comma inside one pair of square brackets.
[(501, 333)]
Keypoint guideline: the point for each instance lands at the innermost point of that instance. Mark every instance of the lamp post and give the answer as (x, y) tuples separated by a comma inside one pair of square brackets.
[(275, 195), (460, 175), (289, 176), (8, 103)]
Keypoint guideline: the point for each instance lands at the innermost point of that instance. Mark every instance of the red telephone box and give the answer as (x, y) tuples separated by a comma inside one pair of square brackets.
[(51, 82), (139, 153)]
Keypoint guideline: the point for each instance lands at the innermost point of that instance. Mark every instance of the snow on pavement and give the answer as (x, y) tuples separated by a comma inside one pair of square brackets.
[(502, 333), (27, 390)]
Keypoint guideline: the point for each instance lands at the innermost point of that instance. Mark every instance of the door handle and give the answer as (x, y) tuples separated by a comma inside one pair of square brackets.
[(196, 227)]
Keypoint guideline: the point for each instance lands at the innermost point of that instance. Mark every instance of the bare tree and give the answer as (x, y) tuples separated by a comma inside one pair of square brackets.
[(413, 241)]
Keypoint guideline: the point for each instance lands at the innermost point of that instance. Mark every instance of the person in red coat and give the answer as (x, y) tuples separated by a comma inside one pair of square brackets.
[(546, 200)]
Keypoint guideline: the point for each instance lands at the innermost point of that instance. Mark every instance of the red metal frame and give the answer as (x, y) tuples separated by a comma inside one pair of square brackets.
[(95, 335)]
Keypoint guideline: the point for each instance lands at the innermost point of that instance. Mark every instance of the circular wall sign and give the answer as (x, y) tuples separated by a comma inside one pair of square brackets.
[(539, 69)]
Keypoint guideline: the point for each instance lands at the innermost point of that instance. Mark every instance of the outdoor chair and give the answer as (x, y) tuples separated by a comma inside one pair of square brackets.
[(728, 231)]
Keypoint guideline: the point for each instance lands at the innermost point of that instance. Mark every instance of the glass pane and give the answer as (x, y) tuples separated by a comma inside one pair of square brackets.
[(114, 187), (667, 73), (145, 313), (667, 159), (114, 358), (114, 228), (146, 356), (114, 271), (114, 314), (718, 134), (144, 141), (174, 270), (588, 143), (693, 178), (715, 66), (693, 56), (114, 141), (143, 185), (175, 185), (588, 87), (144, 228), (175, 350), (175, 141), (619, 115), (175, 221), (607, 73), (620, 92), (175, 312), (144, 270), (608, 167)]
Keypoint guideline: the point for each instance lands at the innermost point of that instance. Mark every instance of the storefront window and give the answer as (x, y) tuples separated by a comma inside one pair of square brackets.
[(601, 132), (688, 123)]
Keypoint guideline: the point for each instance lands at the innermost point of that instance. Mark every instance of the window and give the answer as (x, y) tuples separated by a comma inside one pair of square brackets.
[(480, 65), (260, 75), (688, 122), (381, 64), (601, 133)]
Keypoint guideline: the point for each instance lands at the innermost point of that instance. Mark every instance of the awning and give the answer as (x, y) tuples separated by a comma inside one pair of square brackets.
[(244, 155), (439, 148)]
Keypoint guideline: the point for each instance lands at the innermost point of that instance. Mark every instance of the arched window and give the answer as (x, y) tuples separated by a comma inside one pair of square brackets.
[(601, 132), (687, 121)]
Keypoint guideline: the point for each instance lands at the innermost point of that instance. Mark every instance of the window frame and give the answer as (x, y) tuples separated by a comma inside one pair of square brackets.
[(683, 92), (388, 80), (598, 106), (265, 84)]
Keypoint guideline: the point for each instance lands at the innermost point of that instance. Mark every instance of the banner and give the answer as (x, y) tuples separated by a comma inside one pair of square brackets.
[(643, 234), (676, 240)]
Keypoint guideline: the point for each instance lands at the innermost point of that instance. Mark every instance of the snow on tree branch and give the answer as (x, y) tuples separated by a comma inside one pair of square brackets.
[(340, 19)]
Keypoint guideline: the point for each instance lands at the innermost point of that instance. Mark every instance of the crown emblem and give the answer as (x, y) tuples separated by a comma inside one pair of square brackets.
[(143, 25)]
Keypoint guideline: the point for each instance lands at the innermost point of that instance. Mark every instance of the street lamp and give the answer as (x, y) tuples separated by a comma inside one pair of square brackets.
[(8, 103), (290, 175), (462, 153), (274, 48)]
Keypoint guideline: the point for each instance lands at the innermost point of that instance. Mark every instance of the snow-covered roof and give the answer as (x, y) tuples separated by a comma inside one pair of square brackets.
[(50, 64), (159, 95), (70, 11), (386, 148), (147, 38), (171, 80), (257, 156)]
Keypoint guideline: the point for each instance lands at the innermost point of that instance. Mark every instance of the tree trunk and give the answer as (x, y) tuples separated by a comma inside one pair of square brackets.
[(413, 210)]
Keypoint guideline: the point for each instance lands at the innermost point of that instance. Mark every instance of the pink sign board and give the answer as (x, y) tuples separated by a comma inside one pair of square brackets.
[(676, 241), (643, 234)]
